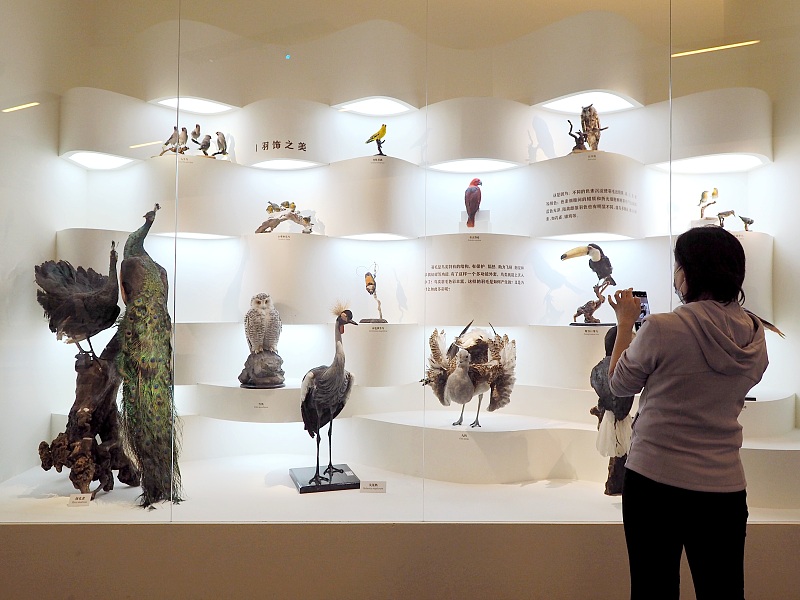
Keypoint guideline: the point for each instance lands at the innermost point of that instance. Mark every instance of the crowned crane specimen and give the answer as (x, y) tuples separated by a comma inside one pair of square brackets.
[(324, 392), (145, 363), (79, 302), (475, 363)]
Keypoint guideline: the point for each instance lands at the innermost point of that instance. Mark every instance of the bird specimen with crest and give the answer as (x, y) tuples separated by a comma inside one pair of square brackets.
[(324, 392), (475, 362), (145, 363)]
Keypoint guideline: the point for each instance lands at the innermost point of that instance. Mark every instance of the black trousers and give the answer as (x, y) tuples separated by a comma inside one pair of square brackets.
[(661, 521)]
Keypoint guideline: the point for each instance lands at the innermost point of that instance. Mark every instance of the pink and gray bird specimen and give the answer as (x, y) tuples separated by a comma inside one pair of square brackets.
[(79, 302), (475, 363), (222, 144), (196, 133), (173, 139), (324, 392), (747, 222), (472, 200), (598, 263), (377, 137), (183, 139), (205, 144)]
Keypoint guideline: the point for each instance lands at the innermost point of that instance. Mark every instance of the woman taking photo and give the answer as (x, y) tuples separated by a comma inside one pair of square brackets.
[(684, 482)]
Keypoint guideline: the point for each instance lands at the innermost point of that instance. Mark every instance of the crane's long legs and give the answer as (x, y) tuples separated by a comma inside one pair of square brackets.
[(461, 418), (331, 469), (477, 414), (317, 479)]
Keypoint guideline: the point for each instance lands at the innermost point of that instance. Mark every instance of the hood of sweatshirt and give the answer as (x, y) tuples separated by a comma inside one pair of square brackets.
[(731, 339)]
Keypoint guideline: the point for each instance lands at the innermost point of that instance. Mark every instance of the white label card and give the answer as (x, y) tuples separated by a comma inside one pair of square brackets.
[(79, 499), (373, 487)]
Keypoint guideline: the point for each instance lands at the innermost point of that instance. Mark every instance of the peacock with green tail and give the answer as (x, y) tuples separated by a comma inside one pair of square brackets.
[(145, 362)]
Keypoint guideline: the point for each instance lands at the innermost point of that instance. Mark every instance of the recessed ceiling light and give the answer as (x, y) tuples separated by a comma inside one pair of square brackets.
[(199, 106), (20, 107), (376, 106), (286, 164), (474, 165), (715, 48), (98, 160), (604, 102), (713, 163), (145, 144)]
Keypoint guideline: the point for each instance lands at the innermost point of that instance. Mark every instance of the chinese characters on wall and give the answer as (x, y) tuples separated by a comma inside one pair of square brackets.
[(578, 203), (277, 145), (461, 277)]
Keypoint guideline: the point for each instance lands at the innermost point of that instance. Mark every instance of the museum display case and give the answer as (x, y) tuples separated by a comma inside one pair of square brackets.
[(472, 102)]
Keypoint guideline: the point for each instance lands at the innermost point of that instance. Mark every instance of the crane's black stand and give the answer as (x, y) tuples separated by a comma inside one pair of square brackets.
[(338, 481)]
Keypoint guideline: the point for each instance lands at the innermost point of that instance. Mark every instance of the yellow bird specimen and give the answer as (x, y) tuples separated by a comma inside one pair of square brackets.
[(378, 135)]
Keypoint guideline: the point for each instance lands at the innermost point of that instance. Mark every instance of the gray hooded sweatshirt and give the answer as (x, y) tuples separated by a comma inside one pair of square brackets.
[(696, 364)]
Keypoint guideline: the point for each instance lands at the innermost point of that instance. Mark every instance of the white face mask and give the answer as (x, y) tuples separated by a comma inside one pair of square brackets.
[(678, 290), (679, 294)]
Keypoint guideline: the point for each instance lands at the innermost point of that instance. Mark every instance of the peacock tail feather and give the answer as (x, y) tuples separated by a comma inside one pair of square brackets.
[(145, 363)]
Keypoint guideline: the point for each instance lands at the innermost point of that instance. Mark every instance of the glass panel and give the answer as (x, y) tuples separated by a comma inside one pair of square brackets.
[(294, 215), (499, 234), (295, 205), (91, 74), (734, 165)]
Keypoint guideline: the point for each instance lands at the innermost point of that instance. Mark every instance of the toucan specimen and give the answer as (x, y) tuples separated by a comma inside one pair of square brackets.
[(598, 262)]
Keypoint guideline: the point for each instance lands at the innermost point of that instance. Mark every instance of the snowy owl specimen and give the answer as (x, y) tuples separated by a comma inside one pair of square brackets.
[(262, 324)]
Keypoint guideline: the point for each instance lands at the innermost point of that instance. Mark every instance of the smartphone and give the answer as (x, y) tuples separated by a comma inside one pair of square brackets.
[(645, 308)]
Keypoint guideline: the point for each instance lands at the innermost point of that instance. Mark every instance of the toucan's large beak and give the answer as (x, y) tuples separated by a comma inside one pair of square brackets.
[(575, 252)]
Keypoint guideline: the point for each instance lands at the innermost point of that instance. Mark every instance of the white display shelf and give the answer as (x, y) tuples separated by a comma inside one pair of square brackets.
[(392, 428), (452, 129), (385, 354), (257, 488), (507, 448), (512, 450), (770, 418)]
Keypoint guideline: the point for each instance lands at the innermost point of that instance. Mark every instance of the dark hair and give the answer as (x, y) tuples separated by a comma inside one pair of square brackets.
[(713, 263), (610, 339)]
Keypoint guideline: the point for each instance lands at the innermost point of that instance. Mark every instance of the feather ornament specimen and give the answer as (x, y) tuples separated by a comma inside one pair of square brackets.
[(475, 363), (79, 302), (145, 363)]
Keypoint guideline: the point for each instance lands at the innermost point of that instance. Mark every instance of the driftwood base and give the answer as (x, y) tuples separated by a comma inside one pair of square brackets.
[(92, 417), (616, 475)]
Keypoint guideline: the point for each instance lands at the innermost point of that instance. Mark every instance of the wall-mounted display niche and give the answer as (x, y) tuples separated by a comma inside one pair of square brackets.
[(400, 216)]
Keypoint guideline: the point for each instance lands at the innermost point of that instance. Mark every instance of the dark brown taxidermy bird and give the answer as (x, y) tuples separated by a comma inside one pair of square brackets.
[(324, 392), (472, 200), (79, 302)]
